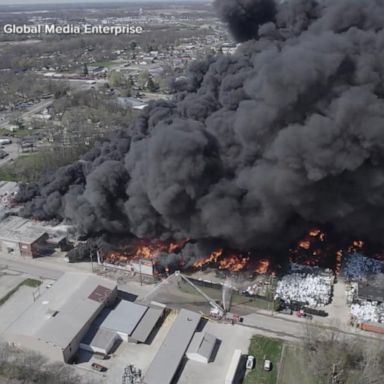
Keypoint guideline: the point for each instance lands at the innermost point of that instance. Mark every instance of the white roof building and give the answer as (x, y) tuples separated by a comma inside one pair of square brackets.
[(168, 358), (201, 347), (55, 324)]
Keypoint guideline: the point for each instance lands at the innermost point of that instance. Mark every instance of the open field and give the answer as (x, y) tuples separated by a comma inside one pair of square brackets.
[(264, 348), (216, 294), (294, 368)]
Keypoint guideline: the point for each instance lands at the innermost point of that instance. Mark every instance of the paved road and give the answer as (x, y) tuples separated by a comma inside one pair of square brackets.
[(32, 267), (278, 325)]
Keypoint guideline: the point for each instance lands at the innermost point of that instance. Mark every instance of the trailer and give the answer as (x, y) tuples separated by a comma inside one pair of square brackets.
[(372, 327), (233, 367)]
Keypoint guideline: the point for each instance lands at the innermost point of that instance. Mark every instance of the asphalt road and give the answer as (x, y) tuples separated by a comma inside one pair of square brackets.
[(279, 325), (32, 267)]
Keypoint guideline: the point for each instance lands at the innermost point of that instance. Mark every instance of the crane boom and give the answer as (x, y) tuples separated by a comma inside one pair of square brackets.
[(218, 310)]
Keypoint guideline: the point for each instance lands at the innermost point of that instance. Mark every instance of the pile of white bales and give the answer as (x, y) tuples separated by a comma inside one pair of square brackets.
[(315, 290)]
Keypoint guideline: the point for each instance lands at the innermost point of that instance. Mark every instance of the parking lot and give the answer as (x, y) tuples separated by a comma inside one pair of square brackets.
[(20, 299), (230, 337)]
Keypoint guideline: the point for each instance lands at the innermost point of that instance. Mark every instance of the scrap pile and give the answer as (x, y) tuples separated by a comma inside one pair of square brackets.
[(315, 290), (358, 267), (8, 191), (367, 311), (259, 288)]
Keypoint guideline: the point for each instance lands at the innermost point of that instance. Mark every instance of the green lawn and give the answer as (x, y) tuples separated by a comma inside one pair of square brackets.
[(264, 348), (294, 368), (33, 283)]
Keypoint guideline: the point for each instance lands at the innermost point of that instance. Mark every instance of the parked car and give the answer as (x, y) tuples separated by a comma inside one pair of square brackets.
[(250, 362), (267, 365), (98, 367)]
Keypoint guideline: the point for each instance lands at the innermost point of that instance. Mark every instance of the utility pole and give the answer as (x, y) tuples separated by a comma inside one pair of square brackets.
[(91, 255), (141, 275)]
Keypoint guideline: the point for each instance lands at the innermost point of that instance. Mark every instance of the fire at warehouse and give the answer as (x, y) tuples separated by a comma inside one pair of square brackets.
[(267, 162)]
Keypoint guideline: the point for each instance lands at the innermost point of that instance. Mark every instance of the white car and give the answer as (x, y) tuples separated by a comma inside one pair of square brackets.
[(250, 362), (267, 365)]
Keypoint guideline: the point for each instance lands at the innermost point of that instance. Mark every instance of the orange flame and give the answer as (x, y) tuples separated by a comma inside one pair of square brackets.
[(212, 258), (233, 263), (356, 245), (306, 244), (262, 266), (339, 259), (143, 250)]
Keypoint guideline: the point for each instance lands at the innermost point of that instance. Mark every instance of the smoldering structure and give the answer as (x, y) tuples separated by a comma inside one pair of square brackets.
[(255, 146)]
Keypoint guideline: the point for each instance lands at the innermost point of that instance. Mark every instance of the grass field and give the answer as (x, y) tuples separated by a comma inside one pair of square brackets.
[(294, 368), (33, 283), (264, 348)]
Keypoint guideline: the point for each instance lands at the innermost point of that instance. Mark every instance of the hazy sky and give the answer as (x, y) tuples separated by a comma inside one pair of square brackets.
[(83, 1)]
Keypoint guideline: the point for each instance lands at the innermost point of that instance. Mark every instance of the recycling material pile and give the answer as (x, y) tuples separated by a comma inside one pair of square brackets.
[(259, 288), (358, 267), (351, 291), (315, 290), (8, 191), (368, 312)]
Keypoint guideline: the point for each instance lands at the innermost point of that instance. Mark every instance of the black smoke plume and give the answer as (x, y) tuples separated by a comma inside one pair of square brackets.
[(245, 16), (256, 145)]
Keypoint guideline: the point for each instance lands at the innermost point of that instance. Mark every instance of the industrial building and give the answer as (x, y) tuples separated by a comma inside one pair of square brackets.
[(128, 321), (124, 318), (60, 318), (202, 347), (166, 362), (21, 237)]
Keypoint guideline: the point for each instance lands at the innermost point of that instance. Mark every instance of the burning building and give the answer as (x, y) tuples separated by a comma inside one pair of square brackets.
[(254, 147)]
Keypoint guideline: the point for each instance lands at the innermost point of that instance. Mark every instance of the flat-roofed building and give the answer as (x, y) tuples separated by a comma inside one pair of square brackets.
[(201, 347), (21, 237), (60, 318), (147, 325), (99, 340), (124, 318), (166, 362)]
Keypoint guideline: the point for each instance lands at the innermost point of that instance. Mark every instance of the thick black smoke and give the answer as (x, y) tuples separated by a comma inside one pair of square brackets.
[(245, 16), (287, 131)]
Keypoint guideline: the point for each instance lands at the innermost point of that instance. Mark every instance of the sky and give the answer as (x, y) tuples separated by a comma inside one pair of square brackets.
[(79, 2)]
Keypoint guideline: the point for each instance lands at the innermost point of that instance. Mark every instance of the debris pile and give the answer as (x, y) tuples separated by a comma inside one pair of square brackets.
[(8, 191), (315, 290), (368, 311), (358, 267)]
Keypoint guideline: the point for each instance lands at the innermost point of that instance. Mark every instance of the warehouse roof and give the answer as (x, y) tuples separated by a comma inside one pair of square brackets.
[(19, 230), (61, 312), (99, 338), (125, 317), (147, 323), (168, 358), (202, 344)]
